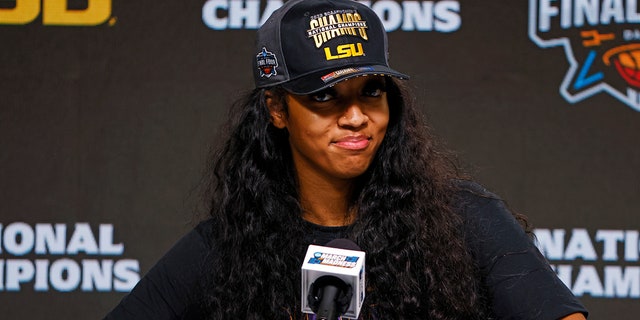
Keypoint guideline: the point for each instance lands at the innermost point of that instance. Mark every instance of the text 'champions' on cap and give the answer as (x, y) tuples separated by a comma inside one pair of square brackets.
[(308, 45)]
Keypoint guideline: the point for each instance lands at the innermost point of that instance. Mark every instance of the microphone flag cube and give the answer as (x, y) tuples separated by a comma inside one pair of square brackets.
[(347, 265)]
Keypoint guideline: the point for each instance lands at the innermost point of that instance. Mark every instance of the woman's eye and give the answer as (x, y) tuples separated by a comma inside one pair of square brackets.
[(373, 92), (374, 89), (322, 96)]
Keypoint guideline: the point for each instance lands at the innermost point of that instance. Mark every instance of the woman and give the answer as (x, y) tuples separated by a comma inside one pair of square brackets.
[(329, 145)]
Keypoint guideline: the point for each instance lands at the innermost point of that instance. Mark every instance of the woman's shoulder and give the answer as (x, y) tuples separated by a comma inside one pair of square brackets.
[(470, 197), (516, 275), (204, 230), (168, 288), (472, 187), (489, 224), (477, 204)]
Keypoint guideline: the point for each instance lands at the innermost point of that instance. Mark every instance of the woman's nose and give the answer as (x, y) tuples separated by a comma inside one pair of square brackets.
[(354, 116)]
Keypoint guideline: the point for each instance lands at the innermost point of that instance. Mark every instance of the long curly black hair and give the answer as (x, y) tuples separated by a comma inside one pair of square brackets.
[(418, 266)]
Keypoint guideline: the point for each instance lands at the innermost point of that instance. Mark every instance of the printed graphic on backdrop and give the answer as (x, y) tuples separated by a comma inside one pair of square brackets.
[(55, 257), (601, 264), (601, 40), (438, 16), (55, 12)]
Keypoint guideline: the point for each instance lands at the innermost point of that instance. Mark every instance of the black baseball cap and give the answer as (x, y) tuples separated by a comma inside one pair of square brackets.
[(309, 45)]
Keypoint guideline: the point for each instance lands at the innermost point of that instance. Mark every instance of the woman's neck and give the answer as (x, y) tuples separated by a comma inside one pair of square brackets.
[(326, 202)]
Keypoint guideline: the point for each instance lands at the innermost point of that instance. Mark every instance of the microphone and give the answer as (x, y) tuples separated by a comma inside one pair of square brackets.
[(333, 281)]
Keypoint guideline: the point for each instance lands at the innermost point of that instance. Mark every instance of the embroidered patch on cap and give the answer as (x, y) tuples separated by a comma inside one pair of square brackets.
[(328, 25), (343, 72), (267, 63)]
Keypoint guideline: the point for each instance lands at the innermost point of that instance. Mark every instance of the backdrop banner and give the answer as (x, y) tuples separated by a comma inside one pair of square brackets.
[(108, 110)]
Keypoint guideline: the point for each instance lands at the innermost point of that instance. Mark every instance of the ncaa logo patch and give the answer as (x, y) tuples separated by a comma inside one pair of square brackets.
[(267, 63), (601, 40)]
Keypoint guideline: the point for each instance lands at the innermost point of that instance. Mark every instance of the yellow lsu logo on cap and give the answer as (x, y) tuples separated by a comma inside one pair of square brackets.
[(344, 51), (55, 12)]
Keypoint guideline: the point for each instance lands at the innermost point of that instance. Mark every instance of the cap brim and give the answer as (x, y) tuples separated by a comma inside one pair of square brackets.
[(326, 78)]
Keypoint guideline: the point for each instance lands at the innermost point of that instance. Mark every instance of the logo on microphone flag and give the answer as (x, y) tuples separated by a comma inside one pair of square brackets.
[(336, 260)]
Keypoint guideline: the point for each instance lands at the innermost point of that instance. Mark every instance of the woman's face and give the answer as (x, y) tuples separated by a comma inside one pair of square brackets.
[(336, 132)]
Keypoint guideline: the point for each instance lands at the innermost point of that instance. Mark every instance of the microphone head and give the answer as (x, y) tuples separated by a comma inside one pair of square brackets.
[(343, 244), (343, 293)]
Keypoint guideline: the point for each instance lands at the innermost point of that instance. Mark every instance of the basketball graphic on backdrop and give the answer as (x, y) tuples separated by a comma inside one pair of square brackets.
[(626, 59)]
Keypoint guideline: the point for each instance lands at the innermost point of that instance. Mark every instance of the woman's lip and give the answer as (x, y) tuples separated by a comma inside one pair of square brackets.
[(353, 142)]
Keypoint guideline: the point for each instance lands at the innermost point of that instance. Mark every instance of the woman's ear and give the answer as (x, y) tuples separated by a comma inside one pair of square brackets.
[(276, 109)]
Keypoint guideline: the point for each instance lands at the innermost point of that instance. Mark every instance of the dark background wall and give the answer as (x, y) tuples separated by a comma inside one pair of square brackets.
[(111, 124)]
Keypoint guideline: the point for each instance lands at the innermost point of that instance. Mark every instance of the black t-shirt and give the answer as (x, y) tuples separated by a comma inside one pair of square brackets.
[(518, 279)]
